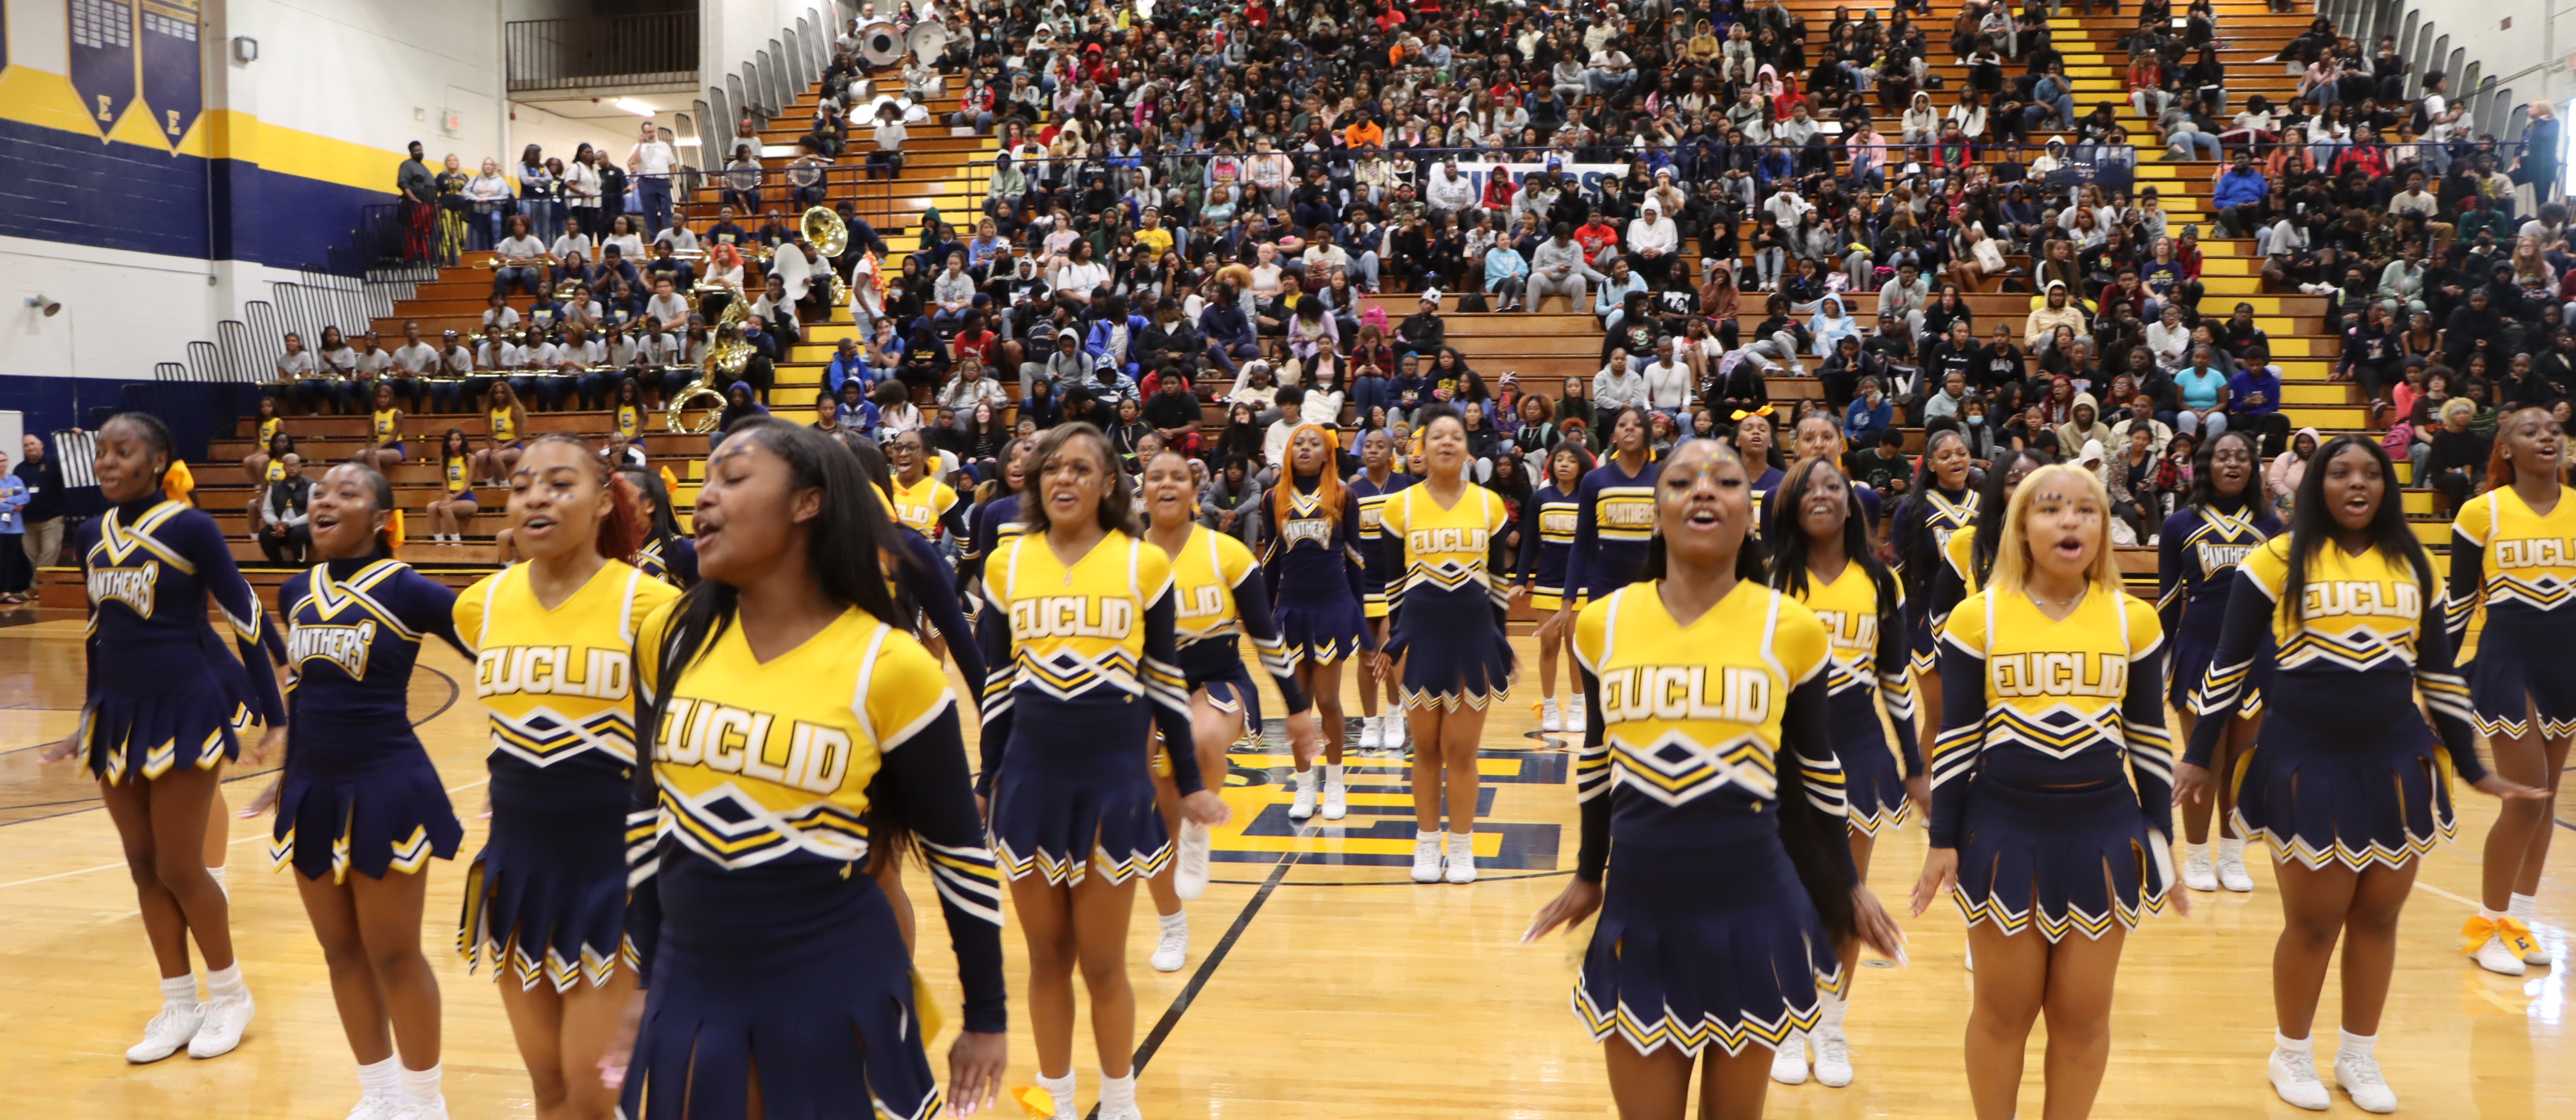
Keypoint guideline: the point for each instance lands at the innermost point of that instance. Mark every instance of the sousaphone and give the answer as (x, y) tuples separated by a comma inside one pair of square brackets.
[(880, 45)]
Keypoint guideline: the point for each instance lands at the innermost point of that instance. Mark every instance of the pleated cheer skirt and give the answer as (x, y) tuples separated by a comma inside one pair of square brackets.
[(802, 974), (1232, 692), (2339, 779), (2060, 861), (1076, 796), (392, 816), (2189, 664), (1323, 631), (1455, 653), (2523, 669), (1714, 944), (157, 707), (546, 898), (1873, 780)]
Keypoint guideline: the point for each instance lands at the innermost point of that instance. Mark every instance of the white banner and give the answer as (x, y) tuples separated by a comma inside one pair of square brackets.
[(1588, 176)]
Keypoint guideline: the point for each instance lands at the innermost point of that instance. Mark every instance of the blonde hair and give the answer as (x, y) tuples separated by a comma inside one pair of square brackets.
[(2461, 405), (2012, 550)]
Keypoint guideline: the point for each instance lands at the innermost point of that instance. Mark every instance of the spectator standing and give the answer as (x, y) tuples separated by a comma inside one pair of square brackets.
[(43, 512), (652, 163), (13, 537)]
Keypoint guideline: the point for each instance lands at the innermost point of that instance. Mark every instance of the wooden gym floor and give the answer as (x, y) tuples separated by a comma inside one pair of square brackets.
[(1321, 981)]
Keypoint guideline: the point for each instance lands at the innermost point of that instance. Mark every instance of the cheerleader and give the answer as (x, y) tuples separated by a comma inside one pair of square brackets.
[(505, 436), (1754, 444), (2522, 686), (1614, 517), (545, 901), (1321, 579), (923, 502), (384, 432), (2343, 781), (1731, 884), (357, 792), (630, 410), (1448, 618), (1821, 550), (1816, 436), (996, 514), (2055, 709), (1548, 521), (455, 507), (1377, 480), (2227, 515), (1078, 628), (1967, 558), (666, 554), (1939, 504), (925, 588), (797, 735), (1218, 595), (163, 703)]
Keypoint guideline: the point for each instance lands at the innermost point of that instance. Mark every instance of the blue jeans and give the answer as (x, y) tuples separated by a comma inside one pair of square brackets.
[(2185, 144), (655, 192)]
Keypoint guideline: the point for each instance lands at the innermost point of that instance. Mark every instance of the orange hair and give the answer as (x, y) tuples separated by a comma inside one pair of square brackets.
[(1329, 487)]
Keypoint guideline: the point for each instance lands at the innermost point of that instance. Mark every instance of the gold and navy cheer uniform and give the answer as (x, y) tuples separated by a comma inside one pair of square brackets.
[(1321, 578), (549, 889), (630, 421), (2521, 566), (382, 423), (1378, 553), (927, 507), (1218, 595), (988, 524), (162, 691), (671, 559), (358, 792), (925, 592), (460, 486), (1707, 935), (1868, 669), (504, 424), (2196, 559), (756, 928), (2343, 770), (1954, 579), (2053, 772), (1448, 610), (268, 429), (1924, 530), (1614, 518), (1082, 662), (1761, 489), (1548, 520)]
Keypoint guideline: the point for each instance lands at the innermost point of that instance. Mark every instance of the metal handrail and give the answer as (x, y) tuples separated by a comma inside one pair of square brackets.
[(655, 49)]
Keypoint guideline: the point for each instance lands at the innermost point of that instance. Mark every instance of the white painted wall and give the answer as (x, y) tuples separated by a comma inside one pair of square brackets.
[(731, 31), (103, 331), (2529, 56), (378, 72)]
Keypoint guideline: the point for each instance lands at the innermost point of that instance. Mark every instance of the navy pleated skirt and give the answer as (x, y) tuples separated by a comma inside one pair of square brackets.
[(2523, 669), (1455, 652), (792, 969), (389, 813), (1232, 692), (2348, 776), (157, 706), (1322, 629), (1873, 781), (549, 892), (1076, 794), (1705, 945), (2189, 666), (2060, 861)]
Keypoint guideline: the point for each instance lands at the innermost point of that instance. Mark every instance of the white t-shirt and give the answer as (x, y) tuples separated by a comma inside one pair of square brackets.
[(520, 248), (654, 157), (295, 365), (416, 358)]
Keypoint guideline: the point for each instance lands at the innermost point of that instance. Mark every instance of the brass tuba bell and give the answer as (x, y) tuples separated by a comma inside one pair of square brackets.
[(826, 231)]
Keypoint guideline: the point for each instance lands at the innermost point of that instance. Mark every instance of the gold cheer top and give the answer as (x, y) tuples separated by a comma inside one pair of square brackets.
[(558, 684)]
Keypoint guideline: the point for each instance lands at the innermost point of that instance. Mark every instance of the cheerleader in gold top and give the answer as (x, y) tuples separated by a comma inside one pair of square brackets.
[(1712, 812), (1448, 613), (2344, 782), (2051, 789), (801, 746), (384, 432), (923, 502), (2513, 550), (1821, 557), (505, 435), (1077, 628), (255, 466), (554, 635), (456, 505)]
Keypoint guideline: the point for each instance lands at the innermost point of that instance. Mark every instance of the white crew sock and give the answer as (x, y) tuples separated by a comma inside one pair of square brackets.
[(2358, 1045), (1118, 1094), (2490, 915), (1835, 1007), (1333, 773), (1060, 1088), (225, 983), (2523, 907), (2231, 849), (1435, 837), (2293, 1045), (2194, 851), (1178, 919), (422, 1084), (1306, 780), (380, 1080), (179, 993)]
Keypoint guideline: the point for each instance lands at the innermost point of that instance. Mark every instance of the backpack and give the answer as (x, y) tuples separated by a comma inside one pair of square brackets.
[(2400, 438)]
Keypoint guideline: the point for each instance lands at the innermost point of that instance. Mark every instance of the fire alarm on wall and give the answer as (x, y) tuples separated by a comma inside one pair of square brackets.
[(450, 121)]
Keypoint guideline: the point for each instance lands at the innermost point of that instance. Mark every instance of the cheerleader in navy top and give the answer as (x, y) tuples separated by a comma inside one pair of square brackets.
[(1821, 557), (2051, 787), (1377, 479), (1077, 626), (1448, 629), (1614, 517), (2513, 550), (1942, 504), (1322, 580), (1756, 445), (2344, 782), (1712, 812), (2227, 516), (357, 793), (1548, 521), (164, 702), (666, 554)]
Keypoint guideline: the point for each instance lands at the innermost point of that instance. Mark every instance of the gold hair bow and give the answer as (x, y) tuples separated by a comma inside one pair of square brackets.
[(1740, 414)]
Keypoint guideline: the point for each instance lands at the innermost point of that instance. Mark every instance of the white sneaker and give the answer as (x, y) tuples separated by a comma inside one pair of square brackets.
[(1548, 720), (2197, 874), (1574, 713), (1462, 858), (1833, 1057), (2294, 1077), (1123, 1114), (166, 1033), (1304, 806), (2497, 956), (222, 1029), (2232, 875), (1369, 732), (1336, 797), (1190, 872), (1789, 1062), (1171, 949), (377, 1108), (415, 1109), (1426, 858), (2359, 1078)]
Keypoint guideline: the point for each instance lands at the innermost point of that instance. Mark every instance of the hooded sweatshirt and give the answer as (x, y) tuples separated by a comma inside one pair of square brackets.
[(2288, 468), (2084, 422), (1831, 322), (1921, 123)]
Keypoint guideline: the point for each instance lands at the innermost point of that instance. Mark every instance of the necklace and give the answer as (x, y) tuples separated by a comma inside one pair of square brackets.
[(2057, 602)]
